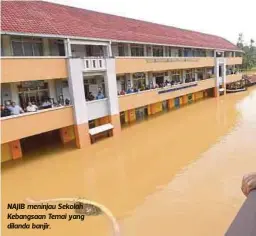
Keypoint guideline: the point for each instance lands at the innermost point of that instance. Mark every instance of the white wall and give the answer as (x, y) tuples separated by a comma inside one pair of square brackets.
[(98, 108), (76, 90), (52, 89), (111, 86)]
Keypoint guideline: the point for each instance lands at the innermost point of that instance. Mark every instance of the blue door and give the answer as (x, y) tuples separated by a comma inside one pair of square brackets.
[(177, 102)]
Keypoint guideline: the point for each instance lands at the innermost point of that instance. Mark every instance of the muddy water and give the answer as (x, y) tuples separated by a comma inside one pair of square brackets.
[(176, 174)]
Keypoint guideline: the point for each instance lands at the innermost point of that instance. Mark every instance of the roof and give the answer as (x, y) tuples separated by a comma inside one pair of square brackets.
[(40, 17), (252, 79)]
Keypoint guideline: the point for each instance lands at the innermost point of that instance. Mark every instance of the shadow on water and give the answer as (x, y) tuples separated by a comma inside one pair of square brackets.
[(47, 151)]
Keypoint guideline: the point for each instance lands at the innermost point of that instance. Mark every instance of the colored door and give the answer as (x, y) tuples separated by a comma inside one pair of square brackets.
[(177, 102)]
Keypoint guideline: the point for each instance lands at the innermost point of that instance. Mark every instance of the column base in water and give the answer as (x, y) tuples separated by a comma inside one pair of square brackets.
[(115, 121), (15, 149), (215, 92), (82, 135)]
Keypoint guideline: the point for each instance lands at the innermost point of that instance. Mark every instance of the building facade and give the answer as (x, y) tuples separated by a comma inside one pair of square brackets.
[(98, 72)]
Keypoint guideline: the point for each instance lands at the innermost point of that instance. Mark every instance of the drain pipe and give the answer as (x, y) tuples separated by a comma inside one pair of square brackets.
[(87, 204)]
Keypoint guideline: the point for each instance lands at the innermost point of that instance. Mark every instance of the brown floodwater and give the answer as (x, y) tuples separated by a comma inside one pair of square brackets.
[(178, 173)]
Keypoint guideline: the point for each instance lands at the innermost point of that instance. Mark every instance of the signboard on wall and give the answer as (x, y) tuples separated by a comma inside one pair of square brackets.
[(32, 84), (178, 59), (139, 75)]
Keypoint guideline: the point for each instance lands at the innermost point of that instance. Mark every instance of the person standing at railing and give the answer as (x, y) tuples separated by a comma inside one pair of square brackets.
[(248, 183), (15, 109), (100, 94), (5, 111), (31, 107)]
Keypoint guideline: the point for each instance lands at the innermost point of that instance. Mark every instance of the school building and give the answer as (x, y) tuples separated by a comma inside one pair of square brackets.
[(113, 71)]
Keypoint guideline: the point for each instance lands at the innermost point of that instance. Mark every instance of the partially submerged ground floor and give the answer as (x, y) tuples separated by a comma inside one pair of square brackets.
[(97, 128)]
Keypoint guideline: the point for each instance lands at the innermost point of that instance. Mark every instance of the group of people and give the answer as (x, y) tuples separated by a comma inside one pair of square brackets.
[(149, 87), (10, 108), (99, 96)]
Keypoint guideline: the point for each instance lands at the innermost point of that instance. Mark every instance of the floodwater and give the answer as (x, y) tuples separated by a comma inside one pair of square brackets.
[(176, 174)]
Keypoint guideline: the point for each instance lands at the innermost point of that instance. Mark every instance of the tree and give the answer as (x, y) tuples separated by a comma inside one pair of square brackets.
[(249, 55), (240, 41)]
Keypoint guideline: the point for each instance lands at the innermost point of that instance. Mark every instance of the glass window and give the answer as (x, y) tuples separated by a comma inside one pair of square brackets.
[(121, 50), (17, 48), (137, 50), (38, 49), (28, 48), (176, 76), (158, 52)]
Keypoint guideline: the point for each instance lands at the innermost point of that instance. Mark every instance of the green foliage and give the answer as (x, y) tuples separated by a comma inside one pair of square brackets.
[(249, 56)]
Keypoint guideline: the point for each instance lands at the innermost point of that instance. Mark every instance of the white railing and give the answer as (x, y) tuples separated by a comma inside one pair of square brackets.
[(94, 64), (221, 60)]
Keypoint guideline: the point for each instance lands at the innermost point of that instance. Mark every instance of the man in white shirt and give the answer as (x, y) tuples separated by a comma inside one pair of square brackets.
[(31, 107)]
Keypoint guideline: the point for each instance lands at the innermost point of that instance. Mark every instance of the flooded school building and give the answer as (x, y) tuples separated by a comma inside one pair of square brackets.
[(98, 72), (130, 114)]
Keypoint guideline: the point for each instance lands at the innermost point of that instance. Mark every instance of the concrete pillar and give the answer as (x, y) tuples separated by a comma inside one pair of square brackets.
[(147, 80), (52, 89), (224, 77), (108, 51), (129, 50), (183, 76), (15, 149), (6, 43), (68, 51), (14, 93), (145, 50), (111, 90), (46, 47), (169, 75), (196, 76), (130, 80), (164, 52), (76, 90)]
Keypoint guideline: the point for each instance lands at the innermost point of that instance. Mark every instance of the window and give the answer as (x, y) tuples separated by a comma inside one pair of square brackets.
[(121, 83), (174, 52), (188, 52), (137, 50), (139, 81), (158, 51), (189, 76), (2, 48), (176, 76), (121, 50), (200, 74), (17, 49), (27, 46)]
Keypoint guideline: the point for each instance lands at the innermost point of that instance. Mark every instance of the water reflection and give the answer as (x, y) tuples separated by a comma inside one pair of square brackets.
[(176, 174)]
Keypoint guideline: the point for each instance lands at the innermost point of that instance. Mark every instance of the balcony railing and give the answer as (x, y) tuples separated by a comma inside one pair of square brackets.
[(94, 64), (32, 123), (97, 108), (143, 98), (15, 69)]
